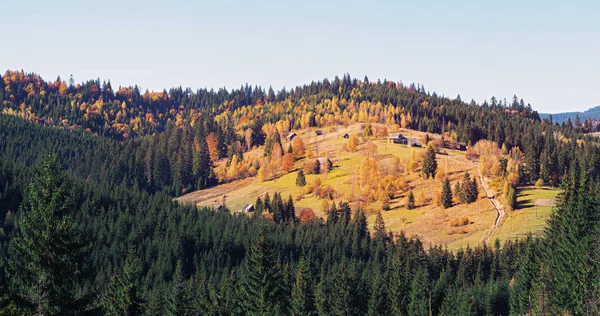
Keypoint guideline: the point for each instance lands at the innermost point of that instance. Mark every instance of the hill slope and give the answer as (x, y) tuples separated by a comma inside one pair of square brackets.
[(591, 113)]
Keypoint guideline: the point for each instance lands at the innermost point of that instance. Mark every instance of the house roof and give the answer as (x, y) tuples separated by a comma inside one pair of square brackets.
[(397, 135), (414, 140)]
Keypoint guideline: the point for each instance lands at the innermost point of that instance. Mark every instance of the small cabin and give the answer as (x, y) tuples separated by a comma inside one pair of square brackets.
[(414, 142), (346, 135), (218, 207), (291, 136), (397, 139), (248, 208), (323, 162), (461, 146), (319, 132)]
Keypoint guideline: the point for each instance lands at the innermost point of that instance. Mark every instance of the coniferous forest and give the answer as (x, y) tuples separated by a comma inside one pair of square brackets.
[(88, 224)]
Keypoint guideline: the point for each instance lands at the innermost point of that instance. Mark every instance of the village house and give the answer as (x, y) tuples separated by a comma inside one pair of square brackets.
[(396, 138), (413, 142), (291, 136), (324, 163), (248, 208)]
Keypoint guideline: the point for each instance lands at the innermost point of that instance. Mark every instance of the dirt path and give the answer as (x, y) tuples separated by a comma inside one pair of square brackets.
[(497, 205)]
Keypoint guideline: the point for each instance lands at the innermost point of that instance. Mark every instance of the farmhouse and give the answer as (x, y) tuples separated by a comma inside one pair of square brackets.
[(319, 132), (461, 146), (324, 163), (248, 208), (397, 139), (291, 136), (218, 207), (414, 142)]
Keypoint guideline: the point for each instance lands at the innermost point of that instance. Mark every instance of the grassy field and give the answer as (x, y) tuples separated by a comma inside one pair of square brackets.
[(527, 218), (428, 222)]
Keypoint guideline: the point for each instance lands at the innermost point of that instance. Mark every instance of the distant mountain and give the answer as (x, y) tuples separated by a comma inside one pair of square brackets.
[(592, 113)]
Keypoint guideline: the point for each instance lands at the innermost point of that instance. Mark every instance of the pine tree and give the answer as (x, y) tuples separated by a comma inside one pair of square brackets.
[(446, 199), (174, 300), (300, 179), (419, 294), (411, 201), (121, 296), (379, 303), (429, 162), (302, 302), (48, 256), (379, 228), (261, 289), (290, 210)]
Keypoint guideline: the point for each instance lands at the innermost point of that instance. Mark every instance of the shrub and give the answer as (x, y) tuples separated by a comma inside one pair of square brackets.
[(539, 183), (458, 222)]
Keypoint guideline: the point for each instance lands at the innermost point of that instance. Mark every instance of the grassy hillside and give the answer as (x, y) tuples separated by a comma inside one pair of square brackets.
[(533, 210), (429, 222)]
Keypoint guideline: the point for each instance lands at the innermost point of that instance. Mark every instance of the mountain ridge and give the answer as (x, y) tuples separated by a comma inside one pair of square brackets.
[(592, 113)]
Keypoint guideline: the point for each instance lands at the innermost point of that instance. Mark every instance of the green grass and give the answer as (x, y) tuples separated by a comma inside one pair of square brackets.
[(425, 222), (527, 218)]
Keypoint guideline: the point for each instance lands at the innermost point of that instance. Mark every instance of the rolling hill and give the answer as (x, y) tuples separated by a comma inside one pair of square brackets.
[(591, 113)]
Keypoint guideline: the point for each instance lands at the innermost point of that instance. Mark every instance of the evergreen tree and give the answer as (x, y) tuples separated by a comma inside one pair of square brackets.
[(300, 179), (429, 162), (379, 303), (261, 289), (411, 201), (379, 228), (419, 294), (48, 255), (302, 302), (121, 296), (446, 199)]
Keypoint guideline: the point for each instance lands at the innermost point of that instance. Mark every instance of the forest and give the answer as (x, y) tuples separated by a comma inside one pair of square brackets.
[(89, 225)]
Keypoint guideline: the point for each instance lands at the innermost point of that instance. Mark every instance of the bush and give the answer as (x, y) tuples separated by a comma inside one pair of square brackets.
[(458, 222), (539, 183)]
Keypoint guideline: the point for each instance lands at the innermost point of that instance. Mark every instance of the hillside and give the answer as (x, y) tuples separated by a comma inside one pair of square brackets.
[(428, 222), (92, 176), (589, 114)]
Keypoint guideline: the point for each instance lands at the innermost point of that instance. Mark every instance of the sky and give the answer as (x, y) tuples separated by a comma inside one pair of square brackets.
[(546, 52)]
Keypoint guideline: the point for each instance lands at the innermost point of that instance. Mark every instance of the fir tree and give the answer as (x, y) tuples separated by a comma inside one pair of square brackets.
[(379, 303), (302, 302), (411, 201), (446, 199), (121, 296), (48, 256), (379, 228), (429, 162), (300, 179), (261, 290), (419, 294)]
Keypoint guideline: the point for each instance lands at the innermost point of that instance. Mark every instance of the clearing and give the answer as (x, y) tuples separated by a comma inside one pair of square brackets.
[(429, 222)]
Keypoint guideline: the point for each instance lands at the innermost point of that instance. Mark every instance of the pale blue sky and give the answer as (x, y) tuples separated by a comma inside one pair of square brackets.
[(546, 52)]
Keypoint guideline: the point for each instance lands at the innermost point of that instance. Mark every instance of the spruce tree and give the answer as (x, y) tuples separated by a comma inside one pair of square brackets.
[(379, 302), (302, 302), (48, 256), (411, 201), (300, 178), (121, 296), (261, 290), (429, 162), (379, 228), (419, 294), (446, 199)]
